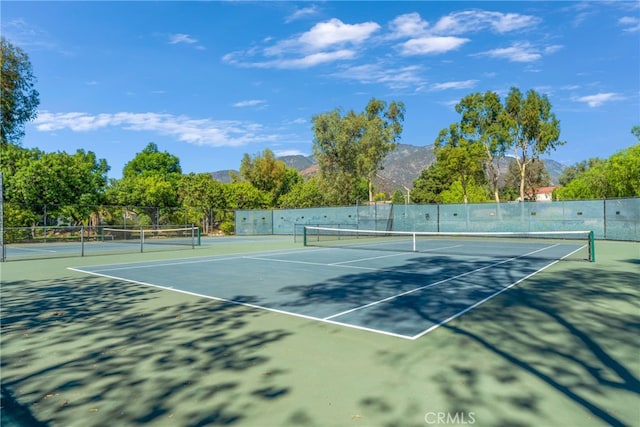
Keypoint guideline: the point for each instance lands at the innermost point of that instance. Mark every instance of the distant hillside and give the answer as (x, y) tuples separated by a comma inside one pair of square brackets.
[(223, 175), (298, 162), (400, 168)]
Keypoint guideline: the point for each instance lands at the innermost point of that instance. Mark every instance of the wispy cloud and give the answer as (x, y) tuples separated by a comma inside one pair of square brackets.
[(325, 35), (431, 45), (630, 24), (250, 103), (185, 39), (517, 52), (465, 84), (393, 77), (479, 20), (181, 38), (302, 13), (325, 42), (407, 26), (28, 36), (599, 98), (215, 133)]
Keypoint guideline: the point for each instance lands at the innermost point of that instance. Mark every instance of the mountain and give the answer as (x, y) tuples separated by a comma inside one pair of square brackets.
[(223, 175), (298, 162), (401, 167)]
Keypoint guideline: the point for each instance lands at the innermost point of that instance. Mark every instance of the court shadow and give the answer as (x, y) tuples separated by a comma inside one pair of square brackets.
[(574, 334), (111, 352)]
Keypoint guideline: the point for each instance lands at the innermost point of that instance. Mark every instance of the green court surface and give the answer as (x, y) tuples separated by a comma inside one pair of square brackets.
[(260, 331)]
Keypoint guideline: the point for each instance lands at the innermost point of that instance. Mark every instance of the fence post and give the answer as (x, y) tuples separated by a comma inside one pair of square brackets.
[(2, 248), (604, 217)]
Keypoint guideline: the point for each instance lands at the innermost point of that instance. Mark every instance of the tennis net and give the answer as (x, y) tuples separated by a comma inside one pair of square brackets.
[(560, 245), (157, 236)]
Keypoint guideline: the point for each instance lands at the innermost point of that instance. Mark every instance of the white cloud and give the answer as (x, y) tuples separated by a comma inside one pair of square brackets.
[(408, 25), (465, 84), (307, 61), (478, 20), (599, 99), (325, 42), (250, 103), (553, 48), (215, 133), (518, 52), (631, 24), (431, 45), (181, 38), (325, 35), (335, 32), (395, 78), (302, 13)]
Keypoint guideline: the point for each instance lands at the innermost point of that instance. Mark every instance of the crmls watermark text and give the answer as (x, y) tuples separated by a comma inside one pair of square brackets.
[(455, 418)]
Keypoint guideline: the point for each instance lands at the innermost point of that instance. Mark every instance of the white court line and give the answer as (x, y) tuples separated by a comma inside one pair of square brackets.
[(274, 310), (328, 319), (321, 264), (433, 284), (393, 255), (15, 248), (196, 260), (471, 307), (460, 313)]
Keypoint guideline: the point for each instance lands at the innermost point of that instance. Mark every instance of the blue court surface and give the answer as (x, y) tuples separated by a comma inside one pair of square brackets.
[(403, 294)]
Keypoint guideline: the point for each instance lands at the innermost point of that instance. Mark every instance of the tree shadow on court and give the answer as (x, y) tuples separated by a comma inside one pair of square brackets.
[(112, 353), (574, 333)]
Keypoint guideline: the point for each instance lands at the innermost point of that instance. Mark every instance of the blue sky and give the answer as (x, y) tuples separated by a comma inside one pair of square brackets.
[(211, 81)]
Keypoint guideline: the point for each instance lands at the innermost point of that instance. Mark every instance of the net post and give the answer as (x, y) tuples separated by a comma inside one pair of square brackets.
[(141, 239), (304, 236), (592, 247), (82, 240), (414, 242)]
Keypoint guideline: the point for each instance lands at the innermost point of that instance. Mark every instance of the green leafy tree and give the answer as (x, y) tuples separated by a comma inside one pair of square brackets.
[(536, 177), (398, 198), (428, 187), (618, 176), (243, 195), (305, 194), (462, 158), (482, 122), (149, 182), (574, 171), (58, 183), (382, 128), (201, 194), (533, 129), (336, 151), (19, 98), (150, 161), (268, 174), (350, 149), (472, 193)]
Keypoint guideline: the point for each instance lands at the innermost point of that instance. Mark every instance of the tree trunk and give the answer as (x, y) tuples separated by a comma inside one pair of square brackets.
[(522, 180)]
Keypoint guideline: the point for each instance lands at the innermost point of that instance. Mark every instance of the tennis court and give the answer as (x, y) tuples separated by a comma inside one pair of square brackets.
[(51, 242), (355, 286), (324, 336)]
